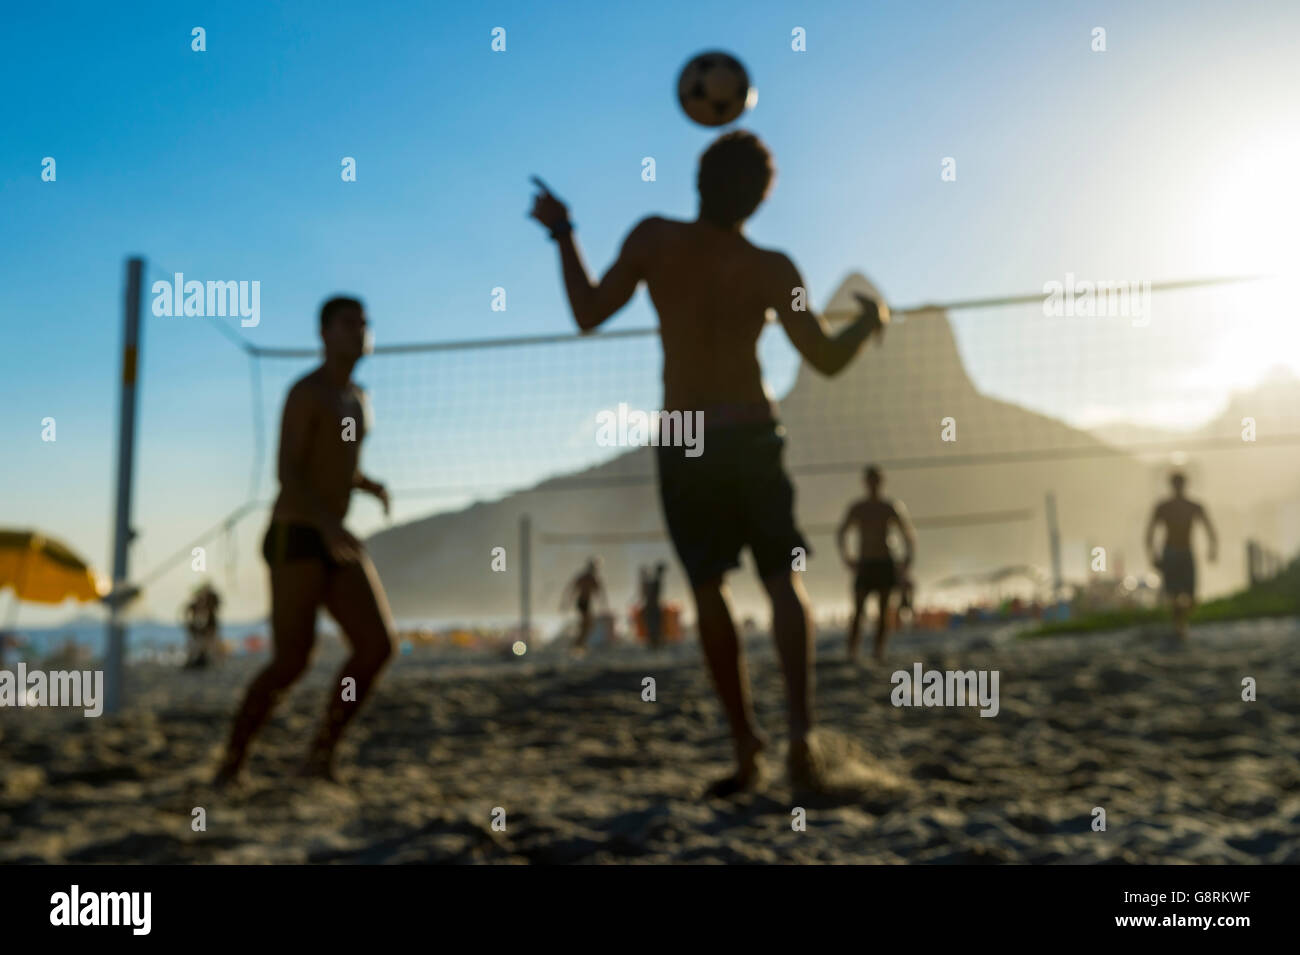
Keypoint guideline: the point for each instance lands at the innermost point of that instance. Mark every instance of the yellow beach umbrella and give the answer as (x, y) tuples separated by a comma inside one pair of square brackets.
[(42, 570)]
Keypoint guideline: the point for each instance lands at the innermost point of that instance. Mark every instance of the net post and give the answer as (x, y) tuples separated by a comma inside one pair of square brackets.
[(525, 578), (115, 651), (1054, 542)]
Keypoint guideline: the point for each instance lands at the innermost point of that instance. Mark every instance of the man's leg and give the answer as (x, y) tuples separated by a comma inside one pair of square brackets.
[(812, 765), (297, 588), (726, 659), (203, 651), (855, 625), (882, 624), (584, 627), (820, 762), (195, 650), (355, 598), (793, 633), (1182, 607)]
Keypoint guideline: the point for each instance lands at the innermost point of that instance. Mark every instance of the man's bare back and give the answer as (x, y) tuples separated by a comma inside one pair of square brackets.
[(712, 289), (320, 465)]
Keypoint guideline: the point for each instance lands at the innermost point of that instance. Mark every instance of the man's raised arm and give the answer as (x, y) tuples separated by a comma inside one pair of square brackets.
[(808, 332), (592, 303)]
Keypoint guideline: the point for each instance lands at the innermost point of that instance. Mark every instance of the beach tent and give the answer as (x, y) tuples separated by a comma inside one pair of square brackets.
[(42, 570)]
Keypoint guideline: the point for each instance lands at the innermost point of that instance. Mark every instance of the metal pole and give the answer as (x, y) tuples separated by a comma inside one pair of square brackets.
[(1054, 541), (115, 657), (525, 577)]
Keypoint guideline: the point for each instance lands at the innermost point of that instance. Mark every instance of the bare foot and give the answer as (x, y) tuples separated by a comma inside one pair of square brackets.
[(228, 776), (750, 770), (319, 767), (824, 763)]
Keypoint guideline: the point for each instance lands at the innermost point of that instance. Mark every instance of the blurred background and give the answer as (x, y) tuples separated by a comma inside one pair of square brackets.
[(1169, 156)]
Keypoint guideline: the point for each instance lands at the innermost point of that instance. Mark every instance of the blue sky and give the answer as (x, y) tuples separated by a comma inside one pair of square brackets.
[(225, 165)]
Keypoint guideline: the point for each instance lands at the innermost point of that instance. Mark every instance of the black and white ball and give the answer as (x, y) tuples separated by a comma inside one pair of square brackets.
[(714, 88)]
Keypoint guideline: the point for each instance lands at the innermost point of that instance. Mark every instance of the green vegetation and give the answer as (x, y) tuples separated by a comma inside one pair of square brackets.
[(1279, 597), (1093, 622)]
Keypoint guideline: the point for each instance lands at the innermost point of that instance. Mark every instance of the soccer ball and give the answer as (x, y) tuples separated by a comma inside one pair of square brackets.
[(714, 88)]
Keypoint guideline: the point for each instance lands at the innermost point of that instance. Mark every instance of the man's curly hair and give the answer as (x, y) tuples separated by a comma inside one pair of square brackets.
[(736, 173)]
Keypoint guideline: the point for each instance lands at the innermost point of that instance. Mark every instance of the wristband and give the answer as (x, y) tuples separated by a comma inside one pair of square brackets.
[(564, 228)]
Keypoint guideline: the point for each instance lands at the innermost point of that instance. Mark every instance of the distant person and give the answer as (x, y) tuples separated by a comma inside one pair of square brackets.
[(314, 561), (874, 570), (713, 291), (201, 623), (1175, 562), (652, 586), (581, 592)]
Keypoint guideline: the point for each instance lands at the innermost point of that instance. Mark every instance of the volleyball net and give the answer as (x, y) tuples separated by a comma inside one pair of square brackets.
[(463, 421), (976, 410)]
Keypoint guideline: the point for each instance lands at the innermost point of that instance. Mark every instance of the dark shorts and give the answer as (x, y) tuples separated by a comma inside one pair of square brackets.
[(876, 574), (584, 604), (734, 495), (291, 542), (1178, 569)]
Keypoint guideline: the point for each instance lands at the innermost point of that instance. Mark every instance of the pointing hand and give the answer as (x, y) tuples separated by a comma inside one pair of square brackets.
[(547, 209)]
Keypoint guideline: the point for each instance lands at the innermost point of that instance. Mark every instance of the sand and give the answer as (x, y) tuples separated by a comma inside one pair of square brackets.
[(586, 772)]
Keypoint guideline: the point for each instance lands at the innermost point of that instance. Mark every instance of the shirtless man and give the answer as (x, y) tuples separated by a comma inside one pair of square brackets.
[(874, 570), (1178, 514), (713, 291), (582, 590), (313, 560)]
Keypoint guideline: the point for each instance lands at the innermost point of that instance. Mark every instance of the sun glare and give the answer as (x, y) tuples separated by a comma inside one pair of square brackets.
[(1251, 226), (1251, 216)]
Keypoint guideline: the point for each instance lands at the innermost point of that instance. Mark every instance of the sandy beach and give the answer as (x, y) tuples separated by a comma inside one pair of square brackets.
[(589, 773)]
